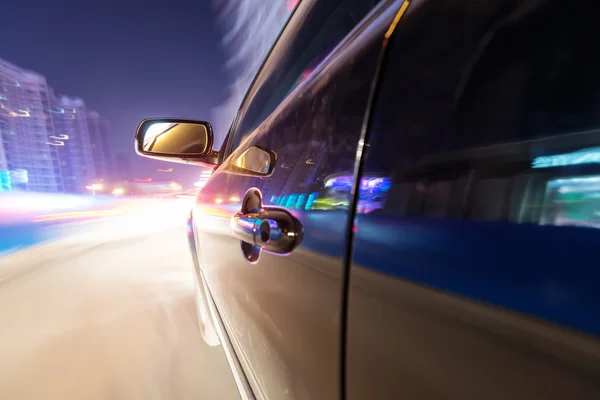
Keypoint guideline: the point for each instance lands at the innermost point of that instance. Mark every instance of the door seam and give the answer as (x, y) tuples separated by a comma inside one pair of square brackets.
[(357, 173)]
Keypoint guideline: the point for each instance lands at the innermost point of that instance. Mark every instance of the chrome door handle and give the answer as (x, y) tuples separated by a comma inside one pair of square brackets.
[(271, 229)]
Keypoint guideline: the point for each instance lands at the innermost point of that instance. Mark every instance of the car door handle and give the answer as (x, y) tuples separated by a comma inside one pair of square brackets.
[(272, 229)]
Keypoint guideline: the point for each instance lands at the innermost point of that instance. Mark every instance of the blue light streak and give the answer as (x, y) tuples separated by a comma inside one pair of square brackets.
[(586, 156)]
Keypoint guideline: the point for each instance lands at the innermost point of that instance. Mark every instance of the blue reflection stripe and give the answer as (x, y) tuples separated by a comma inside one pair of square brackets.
[(18, 236), (548, 272)]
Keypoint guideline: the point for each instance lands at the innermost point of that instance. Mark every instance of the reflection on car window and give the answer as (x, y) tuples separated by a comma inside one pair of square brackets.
[(311, 35), (506, 127), (336, 194)]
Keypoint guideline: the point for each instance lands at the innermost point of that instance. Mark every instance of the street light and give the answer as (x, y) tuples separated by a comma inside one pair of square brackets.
[(94, 188)]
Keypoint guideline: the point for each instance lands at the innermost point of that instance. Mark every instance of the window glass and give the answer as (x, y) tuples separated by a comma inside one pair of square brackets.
[(314, 30)]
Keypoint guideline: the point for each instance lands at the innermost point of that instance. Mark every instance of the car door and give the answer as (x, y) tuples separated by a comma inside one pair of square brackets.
[(306, 107), (475, 275)]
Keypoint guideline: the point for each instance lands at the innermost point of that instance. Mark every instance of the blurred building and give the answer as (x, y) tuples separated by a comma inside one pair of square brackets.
[(98, 129), (123, 170), (72, 140), (28, 156)]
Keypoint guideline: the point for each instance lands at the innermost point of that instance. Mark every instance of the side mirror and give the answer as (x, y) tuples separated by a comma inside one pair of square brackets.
[(255, 161), (176, 140)]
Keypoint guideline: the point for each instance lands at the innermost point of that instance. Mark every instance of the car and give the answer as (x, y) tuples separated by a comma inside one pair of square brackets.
[(416, 216)]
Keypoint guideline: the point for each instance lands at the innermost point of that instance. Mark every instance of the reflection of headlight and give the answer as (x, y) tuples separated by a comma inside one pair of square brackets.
[(218, 201)]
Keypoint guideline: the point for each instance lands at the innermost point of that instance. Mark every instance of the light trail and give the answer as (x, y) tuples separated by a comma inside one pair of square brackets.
[(251, 28)]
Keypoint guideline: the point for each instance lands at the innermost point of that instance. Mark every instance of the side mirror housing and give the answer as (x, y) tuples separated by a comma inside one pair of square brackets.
[(176, 140)]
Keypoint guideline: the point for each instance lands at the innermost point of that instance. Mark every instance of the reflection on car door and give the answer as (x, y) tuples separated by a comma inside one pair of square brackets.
[(476, 274), (282, 313)]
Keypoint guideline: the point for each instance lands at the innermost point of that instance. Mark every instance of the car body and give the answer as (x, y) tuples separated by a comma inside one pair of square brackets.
[(416, 216)]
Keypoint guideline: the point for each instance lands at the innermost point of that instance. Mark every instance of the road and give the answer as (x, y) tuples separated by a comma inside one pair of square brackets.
[(107, 312)]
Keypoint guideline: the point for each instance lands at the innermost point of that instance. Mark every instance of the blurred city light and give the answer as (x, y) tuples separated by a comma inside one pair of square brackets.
[(175, 186), (204, 177), (585, 156), (95, 187)]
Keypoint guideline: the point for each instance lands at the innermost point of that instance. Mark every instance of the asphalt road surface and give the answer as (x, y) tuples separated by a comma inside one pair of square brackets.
[(107, 312)]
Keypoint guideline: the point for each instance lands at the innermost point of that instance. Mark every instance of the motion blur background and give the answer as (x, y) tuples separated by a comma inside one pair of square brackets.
[(96, 290)]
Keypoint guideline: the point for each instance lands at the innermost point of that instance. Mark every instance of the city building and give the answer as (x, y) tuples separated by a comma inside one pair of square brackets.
[(47, 143), (98, 129), (123, 170), (72, 141), (28, 156)]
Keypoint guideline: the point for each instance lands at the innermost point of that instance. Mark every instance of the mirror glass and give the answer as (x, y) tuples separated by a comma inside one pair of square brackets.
[(185, 138), (255, 160)]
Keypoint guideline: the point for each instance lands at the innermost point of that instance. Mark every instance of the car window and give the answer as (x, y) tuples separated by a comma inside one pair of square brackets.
[(314, 30)]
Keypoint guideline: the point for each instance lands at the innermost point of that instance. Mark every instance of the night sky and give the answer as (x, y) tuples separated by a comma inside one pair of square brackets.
[(127, 59)]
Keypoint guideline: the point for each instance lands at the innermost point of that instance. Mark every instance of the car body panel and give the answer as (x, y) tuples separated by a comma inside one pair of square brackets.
[(474, 278), (283, 313), (442, 165)]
